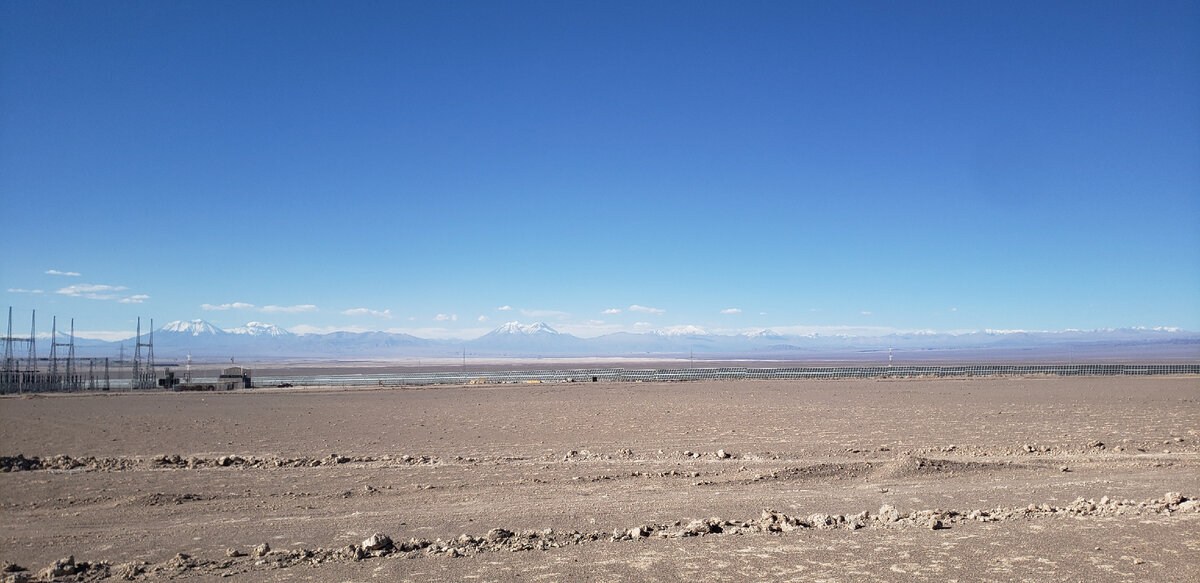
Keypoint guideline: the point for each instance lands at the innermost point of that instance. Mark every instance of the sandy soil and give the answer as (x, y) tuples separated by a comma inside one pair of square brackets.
[(819, 480)]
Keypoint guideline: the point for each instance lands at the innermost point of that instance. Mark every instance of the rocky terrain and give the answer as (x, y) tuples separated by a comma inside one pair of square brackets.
[(998, 479)]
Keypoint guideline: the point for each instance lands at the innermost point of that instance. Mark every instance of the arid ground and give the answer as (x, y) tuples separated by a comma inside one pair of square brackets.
[(1041, 479)]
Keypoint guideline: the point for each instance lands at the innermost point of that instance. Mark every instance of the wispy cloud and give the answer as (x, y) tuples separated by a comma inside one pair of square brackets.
[(642, 325), (66, 273), (865, 313), (646, 310), (17, 290), (93, 291), (612, 311), (230, 306), (545, 313), (97, 291), (505, 308), (386, 314), (731, 311), (482, 318), (446, 317), (265, 309), (953, 309), (289, 309)]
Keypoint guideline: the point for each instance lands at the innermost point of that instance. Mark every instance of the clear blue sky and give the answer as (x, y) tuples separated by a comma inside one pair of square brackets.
[(922, 165)]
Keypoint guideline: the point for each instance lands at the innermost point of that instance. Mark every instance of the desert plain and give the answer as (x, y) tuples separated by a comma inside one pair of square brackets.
[(981, 479)]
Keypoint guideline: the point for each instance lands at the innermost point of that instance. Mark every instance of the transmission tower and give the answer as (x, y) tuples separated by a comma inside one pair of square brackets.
[(135, 379), (53, 346), (8, 346), (143, 374), (14, 378), (67, 380), (33, 368), (71, 359)]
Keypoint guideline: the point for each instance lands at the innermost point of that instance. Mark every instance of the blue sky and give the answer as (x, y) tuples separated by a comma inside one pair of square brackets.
[(418, 166)]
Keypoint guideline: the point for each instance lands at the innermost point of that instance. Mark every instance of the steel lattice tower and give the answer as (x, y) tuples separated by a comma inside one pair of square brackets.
[(33, 342), (54, 344), (8, 342), (13, 375), (67, 380), (143, 376)]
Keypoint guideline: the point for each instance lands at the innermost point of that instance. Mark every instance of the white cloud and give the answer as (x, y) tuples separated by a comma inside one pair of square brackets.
[(17, 290), (505, 308), (953, 309), (96, 291), (446, 317), (482, 318), (545, 313), (267, 309), (232, 306), (731, 311), (612, 311), (289, 309), (66, 273), (385, 314), (865, 313), (93, 291), (762, 313), (82, 289), (645, 310), (643, 325)]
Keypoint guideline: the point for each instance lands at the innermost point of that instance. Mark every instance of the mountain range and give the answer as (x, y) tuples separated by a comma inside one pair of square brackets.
[(260, 340)]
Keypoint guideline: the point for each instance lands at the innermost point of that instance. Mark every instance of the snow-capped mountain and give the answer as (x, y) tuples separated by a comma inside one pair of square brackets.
[(192, 328), (688, 330), (525, 329), (764, 334), (260, 329), (513, 338)]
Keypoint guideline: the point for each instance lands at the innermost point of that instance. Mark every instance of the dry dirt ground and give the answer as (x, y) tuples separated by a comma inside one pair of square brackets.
[(1040, 479)]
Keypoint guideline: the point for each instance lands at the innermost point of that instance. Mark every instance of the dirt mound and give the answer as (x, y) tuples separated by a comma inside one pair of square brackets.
[(908, 466), (20, 463), (817, 472), (380, 545)]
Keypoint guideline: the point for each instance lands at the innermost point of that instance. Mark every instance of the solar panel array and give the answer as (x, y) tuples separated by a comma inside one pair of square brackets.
[(725, 373)]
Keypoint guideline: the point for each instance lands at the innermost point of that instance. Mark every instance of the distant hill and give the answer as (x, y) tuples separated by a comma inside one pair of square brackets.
[(260, 340)]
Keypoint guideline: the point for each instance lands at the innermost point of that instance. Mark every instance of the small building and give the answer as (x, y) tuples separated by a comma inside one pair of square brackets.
[(240, 376)]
